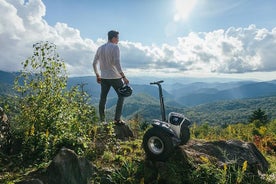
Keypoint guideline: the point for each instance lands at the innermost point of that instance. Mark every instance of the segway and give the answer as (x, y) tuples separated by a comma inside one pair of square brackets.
[(164, 136)]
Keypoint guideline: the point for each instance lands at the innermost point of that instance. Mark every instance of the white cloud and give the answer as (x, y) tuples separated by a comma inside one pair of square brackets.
[(235, 50)]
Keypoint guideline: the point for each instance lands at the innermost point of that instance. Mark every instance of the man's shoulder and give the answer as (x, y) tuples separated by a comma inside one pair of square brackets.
[(103, 45)]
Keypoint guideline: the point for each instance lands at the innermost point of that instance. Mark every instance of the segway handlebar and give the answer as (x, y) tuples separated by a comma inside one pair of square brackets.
[(157, 82), (162, 106)]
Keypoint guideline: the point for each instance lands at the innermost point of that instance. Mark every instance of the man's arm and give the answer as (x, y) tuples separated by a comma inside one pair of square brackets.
[(95, 63)]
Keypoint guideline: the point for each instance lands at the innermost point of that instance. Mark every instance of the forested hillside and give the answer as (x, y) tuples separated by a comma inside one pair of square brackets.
[(231, 111), (218, 113), (214, 103)]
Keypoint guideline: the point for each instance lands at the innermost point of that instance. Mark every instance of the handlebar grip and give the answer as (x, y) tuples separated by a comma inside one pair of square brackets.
[(157, 82)]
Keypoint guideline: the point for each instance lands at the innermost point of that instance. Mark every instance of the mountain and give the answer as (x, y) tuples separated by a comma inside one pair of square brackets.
[(216, 113), (245, 90), (178, 92), (145, 106), (231, 111), (93, 88), (6, 82), (212, 102), (7, 77)]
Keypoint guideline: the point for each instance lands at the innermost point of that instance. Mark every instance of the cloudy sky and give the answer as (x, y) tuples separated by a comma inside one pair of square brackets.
[(173, 38)]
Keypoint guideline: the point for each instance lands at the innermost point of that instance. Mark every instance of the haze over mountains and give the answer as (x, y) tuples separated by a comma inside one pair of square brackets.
[(183, 91), (180, 94), (195, 93)]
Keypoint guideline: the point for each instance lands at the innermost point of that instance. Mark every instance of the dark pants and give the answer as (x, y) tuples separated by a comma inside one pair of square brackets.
[(105, 87)]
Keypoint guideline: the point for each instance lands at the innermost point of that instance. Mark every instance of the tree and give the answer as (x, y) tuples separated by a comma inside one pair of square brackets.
[(50, 115), (259, 118)]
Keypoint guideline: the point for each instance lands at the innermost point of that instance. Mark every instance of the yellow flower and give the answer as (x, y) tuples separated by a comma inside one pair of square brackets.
[(244, 166), (204, 159), (225, 167), (262, 130), (32, 130), (47, 133)]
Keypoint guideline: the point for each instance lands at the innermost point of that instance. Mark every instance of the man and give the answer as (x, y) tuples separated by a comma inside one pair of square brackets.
[(108, 58)]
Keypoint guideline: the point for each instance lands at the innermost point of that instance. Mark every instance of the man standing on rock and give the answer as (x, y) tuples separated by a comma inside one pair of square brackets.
[(108, 58)]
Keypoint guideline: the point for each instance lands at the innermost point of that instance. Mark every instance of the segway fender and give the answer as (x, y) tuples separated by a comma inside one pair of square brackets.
[(164, 127)]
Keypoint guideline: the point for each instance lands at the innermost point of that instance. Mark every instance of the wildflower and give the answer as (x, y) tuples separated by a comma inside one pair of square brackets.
[(47, 133), (204, 159), (244, 166), (32, 130), (225, 167)]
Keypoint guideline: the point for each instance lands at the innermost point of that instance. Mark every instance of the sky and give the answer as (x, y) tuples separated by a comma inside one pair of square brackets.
[(158, 38)]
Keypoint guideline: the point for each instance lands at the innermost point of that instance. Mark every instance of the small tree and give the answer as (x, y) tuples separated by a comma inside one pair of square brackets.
[(50, 115), (259, 118), (44, 82)]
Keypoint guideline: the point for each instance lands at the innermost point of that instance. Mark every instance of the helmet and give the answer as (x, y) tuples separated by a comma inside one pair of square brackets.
[(125, 90)]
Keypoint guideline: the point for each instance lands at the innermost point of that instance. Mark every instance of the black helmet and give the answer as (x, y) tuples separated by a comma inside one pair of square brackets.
[(125, 90)]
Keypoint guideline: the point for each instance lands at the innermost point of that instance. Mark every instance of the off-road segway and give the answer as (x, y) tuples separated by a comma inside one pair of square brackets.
[(161, 139)]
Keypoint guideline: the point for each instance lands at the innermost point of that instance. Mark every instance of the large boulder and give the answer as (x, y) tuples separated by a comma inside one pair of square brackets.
[(68, 168), (189, 157), (228, 152), (65, 168)]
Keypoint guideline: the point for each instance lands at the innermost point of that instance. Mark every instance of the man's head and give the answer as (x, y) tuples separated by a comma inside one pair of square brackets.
[(113, 36)]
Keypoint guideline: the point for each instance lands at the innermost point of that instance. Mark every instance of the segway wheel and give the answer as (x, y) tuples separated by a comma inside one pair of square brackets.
[(157, 144), (184, 135)]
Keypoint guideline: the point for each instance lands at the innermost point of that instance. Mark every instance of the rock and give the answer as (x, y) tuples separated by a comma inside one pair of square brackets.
[(228, 152), (67, 168), (188, 158), (122, 132)]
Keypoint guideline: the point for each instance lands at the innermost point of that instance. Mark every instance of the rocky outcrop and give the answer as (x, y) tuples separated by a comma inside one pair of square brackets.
[(66, 168), (230, 154)]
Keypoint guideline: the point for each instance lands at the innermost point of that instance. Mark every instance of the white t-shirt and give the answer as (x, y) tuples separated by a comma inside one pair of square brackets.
[(108, 57)]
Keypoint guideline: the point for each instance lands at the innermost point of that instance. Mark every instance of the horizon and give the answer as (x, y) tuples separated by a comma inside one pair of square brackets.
[(141, 80), (169, 39)]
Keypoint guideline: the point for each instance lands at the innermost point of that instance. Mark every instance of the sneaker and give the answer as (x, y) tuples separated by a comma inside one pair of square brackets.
[(119, 122), (104, 123)]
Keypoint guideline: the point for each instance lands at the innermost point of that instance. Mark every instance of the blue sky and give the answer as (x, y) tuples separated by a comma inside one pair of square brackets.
[(149, 21), (166, 38)]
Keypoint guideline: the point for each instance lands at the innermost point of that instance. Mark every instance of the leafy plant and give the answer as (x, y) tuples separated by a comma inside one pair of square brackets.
[(50, 116)]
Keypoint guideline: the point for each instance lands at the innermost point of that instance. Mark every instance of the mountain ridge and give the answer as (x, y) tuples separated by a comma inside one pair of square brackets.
[(197, 100)]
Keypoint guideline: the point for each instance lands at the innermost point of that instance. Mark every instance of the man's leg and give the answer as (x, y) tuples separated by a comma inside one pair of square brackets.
[(105, 87), (116, 84)]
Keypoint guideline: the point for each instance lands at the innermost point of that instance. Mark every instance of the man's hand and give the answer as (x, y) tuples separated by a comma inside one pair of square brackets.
[(126, 81), (98, 79)]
